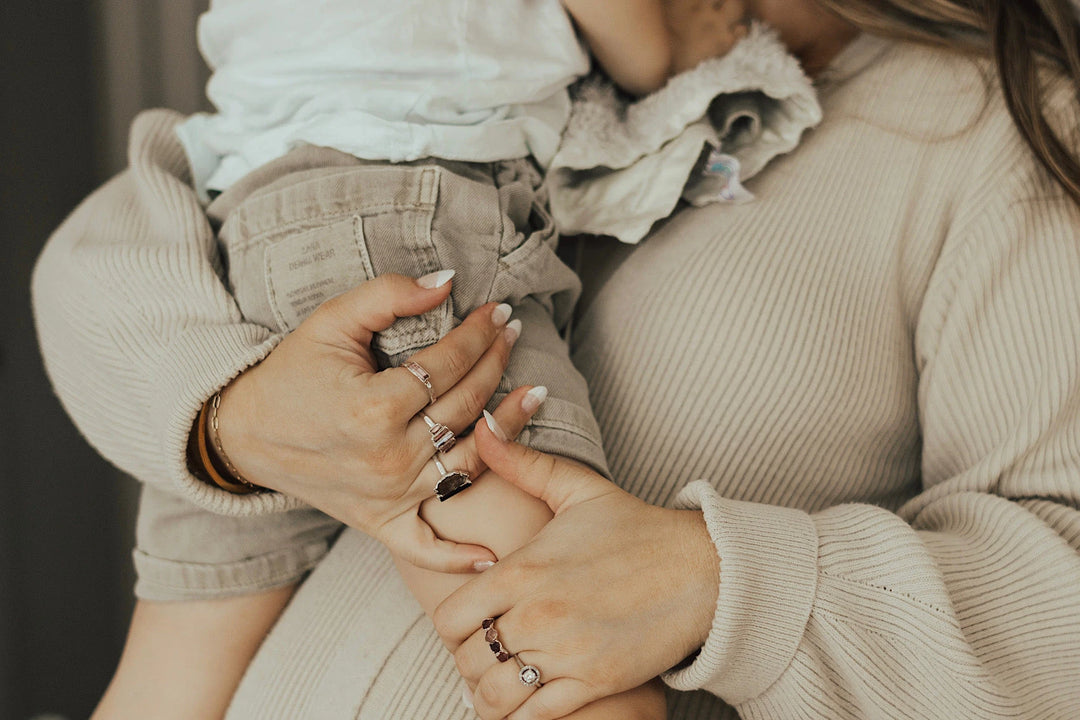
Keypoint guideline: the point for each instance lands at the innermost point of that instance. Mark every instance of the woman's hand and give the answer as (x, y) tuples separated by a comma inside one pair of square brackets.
[(611, 593), (318, 421)]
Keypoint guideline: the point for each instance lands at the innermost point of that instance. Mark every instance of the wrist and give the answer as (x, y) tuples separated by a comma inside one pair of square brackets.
[(216, 465), (702, 571)]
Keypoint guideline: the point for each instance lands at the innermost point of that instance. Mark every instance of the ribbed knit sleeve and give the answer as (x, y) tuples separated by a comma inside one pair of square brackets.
[(135, 325), (966, 602)]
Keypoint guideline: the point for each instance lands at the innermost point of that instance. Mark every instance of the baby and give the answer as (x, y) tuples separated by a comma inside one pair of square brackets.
[(357, 138)]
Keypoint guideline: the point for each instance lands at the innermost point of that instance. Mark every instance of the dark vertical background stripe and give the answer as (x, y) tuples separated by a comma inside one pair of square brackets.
[(74, 74)]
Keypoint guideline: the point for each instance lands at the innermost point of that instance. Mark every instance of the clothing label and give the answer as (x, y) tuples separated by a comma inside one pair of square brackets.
[(304, 271), (716, 180)]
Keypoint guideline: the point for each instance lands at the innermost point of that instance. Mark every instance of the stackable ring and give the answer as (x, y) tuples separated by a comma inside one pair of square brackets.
[(451, 482), (491, 635), (422, 375), (528, 674), (442, 437)]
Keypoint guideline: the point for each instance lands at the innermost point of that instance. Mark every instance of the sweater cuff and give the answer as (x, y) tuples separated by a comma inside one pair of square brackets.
[(768, 571), (163, 580), (197, 364)]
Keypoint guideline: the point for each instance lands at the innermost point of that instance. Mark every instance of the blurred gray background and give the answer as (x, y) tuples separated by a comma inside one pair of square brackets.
[(74, 75)]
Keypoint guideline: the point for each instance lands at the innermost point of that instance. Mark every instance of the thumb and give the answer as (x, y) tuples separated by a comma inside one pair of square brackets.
[(413, 540), (374, 305), (557, 481)]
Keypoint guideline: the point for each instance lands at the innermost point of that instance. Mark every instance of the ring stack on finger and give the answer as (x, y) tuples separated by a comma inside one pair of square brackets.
[(528, 674)]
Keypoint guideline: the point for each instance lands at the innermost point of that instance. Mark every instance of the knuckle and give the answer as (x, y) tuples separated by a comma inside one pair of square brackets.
[(488, 691), (465, 663), (368, 416), (374, 409), (514, 574), (440, 618), (457, 364), (473, 403), (543, 612), (504, 349), (601, 683), (541, 708), (388, 457), (537, 708), (539, 463)]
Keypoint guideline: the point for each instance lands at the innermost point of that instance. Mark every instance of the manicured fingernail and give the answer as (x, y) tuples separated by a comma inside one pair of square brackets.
[(435, 279), (512, 331), (534, 398), (501, 314), (494, 427), (466, 698), (482, 565)]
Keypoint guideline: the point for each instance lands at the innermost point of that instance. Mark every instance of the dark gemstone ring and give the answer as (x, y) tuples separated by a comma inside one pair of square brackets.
[(451, 482), (491, 636)]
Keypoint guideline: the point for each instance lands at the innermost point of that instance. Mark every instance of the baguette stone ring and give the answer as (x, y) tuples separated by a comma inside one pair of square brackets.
[(421, 374), (451, 482), (442, 437)]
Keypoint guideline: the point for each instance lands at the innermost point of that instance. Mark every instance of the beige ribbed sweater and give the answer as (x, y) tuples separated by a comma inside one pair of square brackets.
[(875, 368)]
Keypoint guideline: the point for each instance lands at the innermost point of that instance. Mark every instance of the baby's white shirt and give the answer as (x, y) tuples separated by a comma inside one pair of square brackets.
[(475, 80)]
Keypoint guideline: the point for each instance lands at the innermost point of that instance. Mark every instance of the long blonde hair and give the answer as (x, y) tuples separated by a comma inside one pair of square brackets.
[(1019, 35)]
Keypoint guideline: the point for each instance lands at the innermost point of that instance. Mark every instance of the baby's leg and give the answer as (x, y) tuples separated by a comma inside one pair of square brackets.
[(498, 515), (184, 659)]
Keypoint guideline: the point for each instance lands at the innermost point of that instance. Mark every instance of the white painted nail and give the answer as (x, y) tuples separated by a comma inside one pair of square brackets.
[(482, 565), (466, 698), (513, 331), (494, 427), (435, 279), (534, 399), (501, 314)]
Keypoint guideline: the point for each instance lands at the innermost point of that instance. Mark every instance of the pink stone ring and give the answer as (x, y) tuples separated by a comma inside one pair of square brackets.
[(421, 374), (441, 436)]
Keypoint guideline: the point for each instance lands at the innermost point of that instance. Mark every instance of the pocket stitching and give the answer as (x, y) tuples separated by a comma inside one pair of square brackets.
[(328, 218)]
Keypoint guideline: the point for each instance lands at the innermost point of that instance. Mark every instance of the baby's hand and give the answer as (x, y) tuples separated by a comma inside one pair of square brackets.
[(646, 702), (703, 29)]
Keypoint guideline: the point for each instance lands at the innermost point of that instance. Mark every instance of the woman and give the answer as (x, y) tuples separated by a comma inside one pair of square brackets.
[(873, 366)]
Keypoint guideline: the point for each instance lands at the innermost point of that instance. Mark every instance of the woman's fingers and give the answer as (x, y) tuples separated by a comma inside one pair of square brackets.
[(499, 691), (451, 358), (556, 481), (514, 412), (497, 688), (510, 417), (554, 700), (410, 538), (474, 657), (374, 305), (457, 410), (460, 406)]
